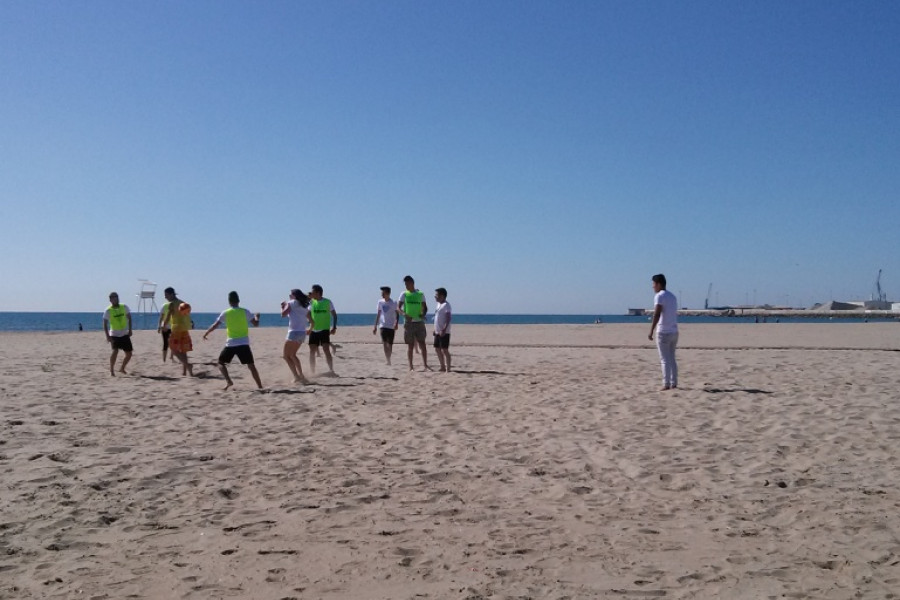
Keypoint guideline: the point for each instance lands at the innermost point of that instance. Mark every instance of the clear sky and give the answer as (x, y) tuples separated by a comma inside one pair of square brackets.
[(531, 157)]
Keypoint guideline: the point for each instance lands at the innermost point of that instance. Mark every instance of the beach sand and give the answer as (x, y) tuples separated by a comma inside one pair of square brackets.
[(549, 465)]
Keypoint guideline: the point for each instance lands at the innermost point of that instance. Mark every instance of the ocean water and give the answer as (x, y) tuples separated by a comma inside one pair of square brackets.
[(93, 321)]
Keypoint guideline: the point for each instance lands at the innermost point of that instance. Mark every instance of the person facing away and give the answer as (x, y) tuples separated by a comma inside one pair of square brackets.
[(295, 310), (178, 318), (665, 322), (237, 327), (162, 327), (413, 308), (117, 326), (387, 320), (319, 315), (442, 316)]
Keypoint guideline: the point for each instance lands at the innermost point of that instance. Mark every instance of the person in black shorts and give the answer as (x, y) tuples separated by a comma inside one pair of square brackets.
[(320, 315), (387, 320), (237, 321), (117, 326)]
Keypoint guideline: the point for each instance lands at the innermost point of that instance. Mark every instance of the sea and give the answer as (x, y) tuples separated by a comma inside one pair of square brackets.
[(93, 321)]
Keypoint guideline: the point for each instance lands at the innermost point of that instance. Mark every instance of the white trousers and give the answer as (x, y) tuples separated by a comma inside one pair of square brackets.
[(666, 343)]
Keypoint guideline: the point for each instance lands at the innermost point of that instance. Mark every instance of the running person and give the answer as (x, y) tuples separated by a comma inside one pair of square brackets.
[(237, 326), (178, 317), (319, 314), (295, 310)]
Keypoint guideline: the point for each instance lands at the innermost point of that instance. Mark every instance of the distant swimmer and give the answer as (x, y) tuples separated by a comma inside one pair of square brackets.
[(665, 322), (117, 326), (237, 327)]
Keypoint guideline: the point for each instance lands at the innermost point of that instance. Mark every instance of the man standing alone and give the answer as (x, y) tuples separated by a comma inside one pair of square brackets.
[(665, 315)]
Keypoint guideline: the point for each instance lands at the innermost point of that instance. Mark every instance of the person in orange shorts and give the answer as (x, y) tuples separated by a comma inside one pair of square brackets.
[(179, 319)]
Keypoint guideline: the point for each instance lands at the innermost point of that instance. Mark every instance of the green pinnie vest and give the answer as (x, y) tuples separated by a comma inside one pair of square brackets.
[(236, 325)]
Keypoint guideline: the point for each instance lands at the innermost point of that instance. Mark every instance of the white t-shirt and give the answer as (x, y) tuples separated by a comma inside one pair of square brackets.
[(116, 332), (668, 320), (297, 317), (387, 314), (442, 318)]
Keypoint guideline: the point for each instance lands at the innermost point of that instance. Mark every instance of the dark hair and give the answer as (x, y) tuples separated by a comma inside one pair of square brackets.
[(169, 290), (660, 279), (386, 288), (233, 298), (409, 278), (317, 288), (300, 297), (441, 292)]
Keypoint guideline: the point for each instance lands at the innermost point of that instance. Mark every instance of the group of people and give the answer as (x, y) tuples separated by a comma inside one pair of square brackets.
[(314, 315), (309, 315)]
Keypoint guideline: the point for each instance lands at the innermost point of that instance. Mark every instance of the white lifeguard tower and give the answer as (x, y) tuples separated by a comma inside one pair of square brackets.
[(147, 299)]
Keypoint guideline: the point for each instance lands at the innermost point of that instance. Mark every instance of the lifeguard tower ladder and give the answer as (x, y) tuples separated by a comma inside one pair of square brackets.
[(147, 299)]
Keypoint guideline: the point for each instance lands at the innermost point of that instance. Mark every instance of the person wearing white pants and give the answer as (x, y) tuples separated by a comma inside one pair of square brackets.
[(665, 324)]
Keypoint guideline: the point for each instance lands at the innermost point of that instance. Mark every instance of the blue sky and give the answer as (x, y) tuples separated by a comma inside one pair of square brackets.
[(531, 157)]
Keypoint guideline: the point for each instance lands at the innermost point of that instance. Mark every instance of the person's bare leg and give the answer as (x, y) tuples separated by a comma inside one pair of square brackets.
[(409, 353), (312, 358), (290, 357), (186, 367), (328, 358), (387, 351), (112, 362), (255, 374), (224, 370), (125, 363), (424, 350)]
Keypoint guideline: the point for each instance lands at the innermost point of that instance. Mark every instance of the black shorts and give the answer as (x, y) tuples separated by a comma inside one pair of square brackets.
[(442, 341), (166, 333), (122, 343), (387, 335), (244, 354), (319, 338)]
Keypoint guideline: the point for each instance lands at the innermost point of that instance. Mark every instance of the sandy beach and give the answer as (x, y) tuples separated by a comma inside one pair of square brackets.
[(548, 465)]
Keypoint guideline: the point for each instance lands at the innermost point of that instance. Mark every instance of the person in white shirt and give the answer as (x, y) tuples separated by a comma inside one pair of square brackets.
[(387, 320), (442, 317), (665, 323), (295, 310)]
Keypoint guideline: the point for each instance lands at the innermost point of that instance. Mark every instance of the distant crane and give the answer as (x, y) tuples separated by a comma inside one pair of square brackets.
[(708, 292), (879, 295)]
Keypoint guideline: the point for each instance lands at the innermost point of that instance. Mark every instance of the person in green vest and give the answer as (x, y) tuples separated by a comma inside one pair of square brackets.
[(237, 322), (117, 326), (162, 327), (320, 314), (413, 308)]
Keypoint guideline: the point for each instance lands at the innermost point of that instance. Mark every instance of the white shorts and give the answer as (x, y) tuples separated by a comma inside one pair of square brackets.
[(296, 336)]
